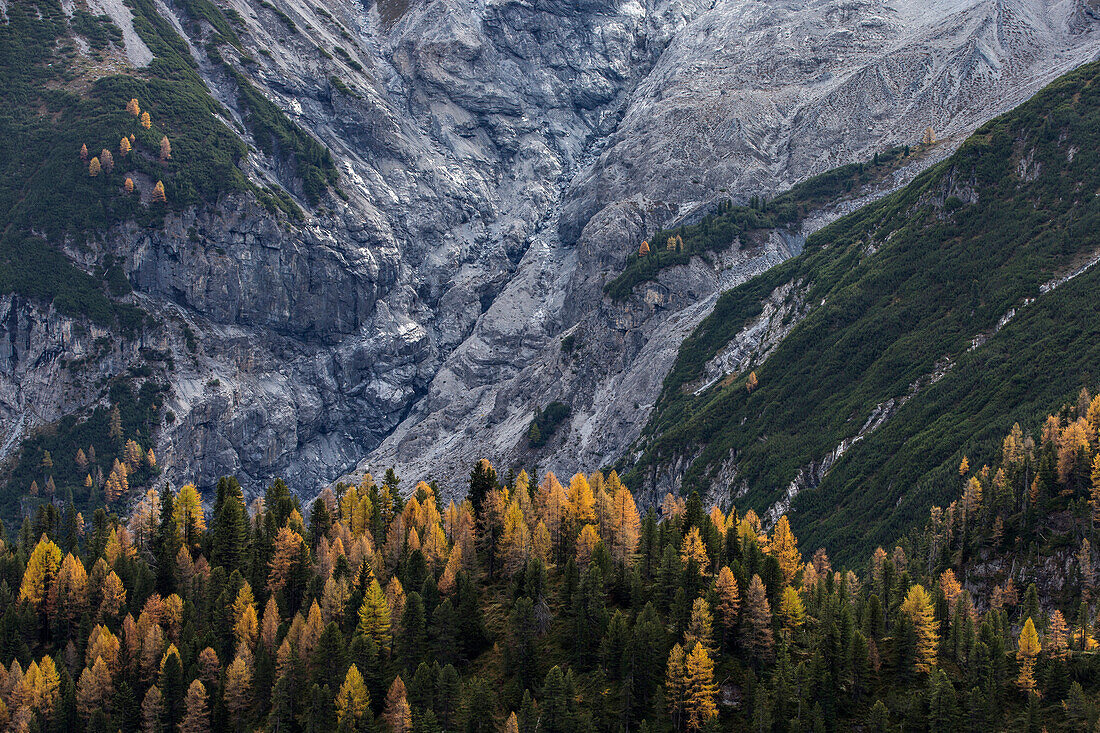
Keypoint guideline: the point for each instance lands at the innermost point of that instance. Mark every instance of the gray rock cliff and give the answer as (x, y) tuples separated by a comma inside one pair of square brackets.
[(501, 159)]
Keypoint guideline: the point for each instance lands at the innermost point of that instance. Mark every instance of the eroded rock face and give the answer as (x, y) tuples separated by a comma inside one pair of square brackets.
[(746, 98), (501, 159)]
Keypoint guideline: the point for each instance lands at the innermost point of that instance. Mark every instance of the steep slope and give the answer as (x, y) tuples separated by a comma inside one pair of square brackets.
[(925, 325), (297, 345), (747, 99), (483, 189)]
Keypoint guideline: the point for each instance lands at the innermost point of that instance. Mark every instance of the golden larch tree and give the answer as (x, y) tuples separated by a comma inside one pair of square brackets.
[(514, 546), (643, 250), (917, 608), (624, 523), (114, 596), (694, 549), (792, 612), (93, 687), (587, 540), (158, 193), (950, 586), (124, 146), (700, 691), (146, 120), (1026, 652), (784, 547), (352, 701), (94, 168), (246, 624), (189, 516), (42, 568), (165, 149), (675, 683), (238, 688), (582, 504)]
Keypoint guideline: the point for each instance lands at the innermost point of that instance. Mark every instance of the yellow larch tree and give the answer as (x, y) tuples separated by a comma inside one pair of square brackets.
[(1026, 652), (694, 549), (552, 504), (950, 587), (287, 548), (784, 547), (582, 504), (246, 625), (196, 713), (514, 546), (238, 689), (69, 592), (675, 683), (352, 701), (587, 540), (917, 608), (700, 691), (1056, 639), (93, 687), (42, 568), (190, 520), (624, 523), (792, 612), (114, 596)]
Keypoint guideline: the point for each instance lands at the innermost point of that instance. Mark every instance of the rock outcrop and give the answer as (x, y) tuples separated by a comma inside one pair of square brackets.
[(500, 160)]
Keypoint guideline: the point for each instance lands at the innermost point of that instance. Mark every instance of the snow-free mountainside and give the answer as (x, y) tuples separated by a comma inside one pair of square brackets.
[(383, 223), (307, 311)]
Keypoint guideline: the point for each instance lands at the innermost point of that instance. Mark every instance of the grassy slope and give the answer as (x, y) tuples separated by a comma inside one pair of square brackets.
[(944, 271), (717, 231), (50, 104)]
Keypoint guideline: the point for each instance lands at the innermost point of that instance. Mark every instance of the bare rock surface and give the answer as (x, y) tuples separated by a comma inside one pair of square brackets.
[(500, 160)]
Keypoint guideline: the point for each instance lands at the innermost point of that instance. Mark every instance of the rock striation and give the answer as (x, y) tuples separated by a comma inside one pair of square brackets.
[(500, 160)]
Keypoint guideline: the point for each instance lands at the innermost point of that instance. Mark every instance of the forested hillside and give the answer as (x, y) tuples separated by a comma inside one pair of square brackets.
[(916, 329), (560, 608)]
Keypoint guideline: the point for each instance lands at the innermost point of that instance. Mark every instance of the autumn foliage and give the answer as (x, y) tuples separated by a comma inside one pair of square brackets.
[(542, 606)]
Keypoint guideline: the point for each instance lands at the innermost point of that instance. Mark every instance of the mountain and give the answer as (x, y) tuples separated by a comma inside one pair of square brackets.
[(747, 99), (382, 222), (911, 333)]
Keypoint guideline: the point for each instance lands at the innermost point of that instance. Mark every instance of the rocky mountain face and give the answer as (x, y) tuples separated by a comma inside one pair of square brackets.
[(500, 160)]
